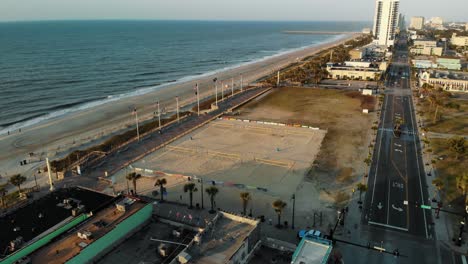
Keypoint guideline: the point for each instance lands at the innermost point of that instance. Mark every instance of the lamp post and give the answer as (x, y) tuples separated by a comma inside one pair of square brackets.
[(177, 105), (215, 80), (201, 182), (159, 117), (294, 207)]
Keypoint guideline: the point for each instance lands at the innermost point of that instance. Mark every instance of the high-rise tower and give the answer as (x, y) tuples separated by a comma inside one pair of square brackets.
[(386, 21)]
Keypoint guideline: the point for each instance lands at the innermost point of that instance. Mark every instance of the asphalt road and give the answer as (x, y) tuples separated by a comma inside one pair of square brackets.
[(396, 175)]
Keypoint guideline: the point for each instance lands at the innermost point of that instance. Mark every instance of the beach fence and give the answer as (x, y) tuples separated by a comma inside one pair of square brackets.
[(265, 123)]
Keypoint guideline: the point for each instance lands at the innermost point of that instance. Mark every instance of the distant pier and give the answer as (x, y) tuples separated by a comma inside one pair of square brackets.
[(319, 32)]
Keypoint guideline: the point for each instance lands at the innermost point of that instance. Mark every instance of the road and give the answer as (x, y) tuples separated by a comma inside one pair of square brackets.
[(392, 216)]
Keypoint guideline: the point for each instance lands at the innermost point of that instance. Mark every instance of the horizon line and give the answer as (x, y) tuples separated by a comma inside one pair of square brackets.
[(172, 20)]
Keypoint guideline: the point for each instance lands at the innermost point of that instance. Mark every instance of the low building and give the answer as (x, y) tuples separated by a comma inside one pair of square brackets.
[(230, 239), (312, 250), (449, 63), (426, 47), (356, 70), (417, 22), (460, 41), (98, 234), (43, 220), (422, 62), (447, 80)]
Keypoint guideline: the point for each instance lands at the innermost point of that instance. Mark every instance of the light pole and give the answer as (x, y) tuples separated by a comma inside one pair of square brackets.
[(198, 100), (222, 91), (215, 80), (177, 105), (241, 83), (201, 182), (294, 207), (136, 121), (159, 116), (232, 86)]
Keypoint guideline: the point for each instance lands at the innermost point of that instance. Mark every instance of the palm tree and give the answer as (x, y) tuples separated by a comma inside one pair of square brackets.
[(133, 177), (17, 180), (438, 184), (361, 188), (3, 192), (212, 191), (190, 188), (457, 145), (161, 183), (245, 197), (279, 206)]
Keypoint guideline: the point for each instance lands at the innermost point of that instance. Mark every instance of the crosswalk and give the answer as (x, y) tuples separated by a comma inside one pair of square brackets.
[(409, 132)]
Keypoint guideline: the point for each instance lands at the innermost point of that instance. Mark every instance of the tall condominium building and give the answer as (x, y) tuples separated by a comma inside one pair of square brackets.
[(386, 21), (417, 22)]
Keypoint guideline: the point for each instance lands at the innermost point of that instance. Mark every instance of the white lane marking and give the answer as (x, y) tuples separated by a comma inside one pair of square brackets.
[(398, 145), (397, 208), (417, 164), (380, 206), (399, 150), (463, 259), (389, 226), (388, 202), (378, 152)]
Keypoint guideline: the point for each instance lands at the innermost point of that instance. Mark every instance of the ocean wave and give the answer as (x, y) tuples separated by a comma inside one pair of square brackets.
[(145, 90)]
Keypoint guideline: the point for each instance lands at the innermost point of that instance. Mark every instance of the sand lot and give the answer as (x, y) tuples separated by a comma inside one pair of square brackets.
[(241, 155)]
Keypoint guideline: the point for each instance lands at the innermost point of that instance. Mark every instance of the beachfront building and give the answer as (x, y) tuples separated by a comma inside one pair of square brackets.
[(426, 47), (460, 41), (448, 80), (417, 22), (358, 53), (386, 21), (356, 70)]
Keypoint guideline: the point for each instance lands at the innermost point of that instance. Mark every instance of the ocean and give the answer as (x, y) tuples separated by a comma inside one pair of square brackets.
[(52, 68)]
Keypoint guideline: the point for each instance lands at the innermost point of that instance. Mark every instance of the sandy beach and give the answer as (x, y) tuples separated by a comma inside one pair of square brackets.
[(55, 137)]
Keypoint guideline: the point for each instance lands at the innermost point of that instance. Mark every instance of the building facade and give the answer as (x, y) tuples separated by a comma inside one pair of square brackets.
[(426, 47), (449, 63), (417, 23), (459, 41), (449, 81), (386, 21)]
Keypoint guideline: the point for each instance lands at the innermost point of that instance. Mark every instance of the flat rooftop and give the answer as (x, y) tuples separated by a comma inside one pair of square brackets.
[(39, 216), (311, 251), (98, 225), (140, 248), (220, 243)]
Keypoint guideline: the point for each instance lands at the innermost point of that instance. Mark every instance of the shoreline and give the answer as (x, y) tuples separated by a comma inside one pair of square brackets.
[(90, 125), (146, 90)]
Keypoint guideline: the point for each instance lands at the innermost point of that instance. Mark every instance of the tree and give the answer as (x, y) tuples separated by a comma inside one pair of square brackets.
[(190, 188), (212, 191), (457, 145), (133, 177), (361, 188), (245, 197), (462, 184), (161, 183), (279, 206), (17, 180), (3, 192), (438, 184)]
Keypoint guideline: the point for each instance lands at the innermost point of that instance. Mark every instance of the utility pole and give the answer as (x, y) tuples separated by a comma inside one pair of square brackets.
[(177, 105), (294, 206), (136, 121), (159, 116)]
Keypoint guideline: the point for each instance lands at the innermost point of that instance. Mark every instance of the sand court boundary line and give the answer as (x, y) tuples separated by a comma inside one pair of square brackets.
[(276, 163)]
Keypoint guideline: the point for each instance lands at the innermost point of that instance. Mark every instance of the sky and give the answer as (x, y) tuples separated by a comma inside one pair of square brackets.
[(276, 10)]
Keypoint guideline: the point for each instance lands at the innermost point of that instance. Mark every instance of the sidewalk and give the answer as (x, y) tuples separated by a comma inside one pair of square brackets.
[(444, 228)]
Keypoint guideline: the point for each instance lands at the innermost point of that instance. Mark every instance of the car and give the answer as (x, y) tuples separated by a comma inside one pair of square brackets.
[(309, 233)]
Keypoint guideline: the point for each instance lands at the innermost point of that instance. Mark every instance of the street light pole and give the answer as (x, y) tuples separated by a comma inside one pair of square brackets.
[(222, 91), (177, 105), (215, 80), (136, 121), (241, 84), (294, 207), (201, 182), (232, 86), (159, 116), (198, 101)]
